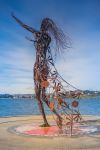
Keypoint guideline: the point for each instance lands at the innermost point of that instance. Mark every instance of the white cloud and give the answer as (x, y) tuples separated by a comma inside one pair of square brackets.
[(16, 71)]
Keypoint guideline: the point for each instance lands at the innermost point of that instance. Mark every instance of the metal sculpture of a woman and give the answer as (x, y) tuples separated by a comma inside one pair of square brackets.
[(47, 81)]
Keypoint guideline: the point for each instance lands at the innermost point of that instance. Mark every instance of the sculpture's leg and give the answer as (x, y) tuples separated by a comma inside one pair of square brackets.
[(41, 107), (38, 94)]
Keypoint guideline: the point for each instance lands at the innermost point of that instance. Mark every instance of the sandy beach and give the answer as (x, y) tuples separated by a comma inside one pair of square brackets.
[(13, 141)]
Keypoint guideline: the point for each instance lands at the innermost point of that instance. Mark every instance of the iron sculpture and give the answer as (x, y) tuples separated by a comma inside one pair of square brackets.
[(49, 85)]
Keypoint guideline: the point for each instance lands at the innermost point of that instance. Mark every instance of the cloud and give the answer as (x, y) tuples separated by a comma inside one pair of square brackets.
[(81, 72), (16, 69)]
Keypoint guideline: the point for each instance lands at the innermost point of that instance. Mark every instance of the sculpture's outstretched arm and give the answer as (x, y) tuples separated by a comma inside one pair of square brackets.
[(24, 25)]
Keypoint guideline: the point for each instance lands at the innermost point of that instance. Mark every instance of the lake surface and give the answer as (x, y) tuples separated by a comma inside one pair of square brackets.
[(17, 107)]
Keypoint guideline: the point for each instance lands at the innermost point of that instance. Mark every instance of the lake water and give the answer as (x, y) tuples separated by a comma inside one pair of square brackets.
[(17, 107)]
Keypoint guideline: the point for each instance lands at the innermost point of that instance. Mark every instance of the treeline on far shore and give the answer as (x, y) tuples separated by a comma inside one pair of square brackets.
[(90, 96), (17, 96)]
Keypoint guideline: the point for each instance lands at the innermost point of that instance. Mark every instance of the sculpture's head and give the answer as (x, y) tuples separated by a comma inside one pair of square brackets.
[(45, 25), (49, 26)]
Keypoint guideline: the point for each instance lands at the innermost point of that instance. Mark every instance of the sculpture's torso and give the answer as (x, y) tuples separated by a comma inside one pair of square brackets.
[(42, 43)]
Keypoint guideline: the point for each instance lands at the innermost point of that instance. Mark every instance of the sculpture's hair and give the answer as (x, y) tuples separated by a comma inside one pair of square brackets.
[(62, 42)]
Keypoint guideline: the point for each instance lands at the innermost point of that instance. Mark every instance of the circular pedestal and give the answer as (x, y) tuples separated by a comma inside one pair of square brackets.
[(36, 130)]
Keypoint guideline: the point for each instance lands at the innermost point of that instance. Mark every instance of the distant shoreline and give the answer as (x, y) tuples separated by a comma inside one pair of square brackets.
[(28, 98), (85, 95)]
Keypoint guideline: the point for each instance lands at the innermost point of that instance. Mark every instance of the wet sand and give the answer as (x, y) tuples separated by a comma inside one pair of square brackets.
[(13, 141)]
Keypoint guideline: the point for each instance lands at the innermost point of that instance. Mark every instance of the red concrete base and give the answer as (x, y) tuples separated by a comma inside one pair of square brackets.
[(49, 131)]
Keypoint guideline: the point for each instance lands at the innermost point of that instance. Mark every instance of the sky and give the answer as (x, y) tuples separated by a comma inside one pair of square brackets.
[(79, 65)]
